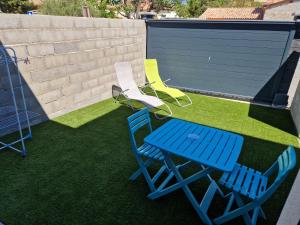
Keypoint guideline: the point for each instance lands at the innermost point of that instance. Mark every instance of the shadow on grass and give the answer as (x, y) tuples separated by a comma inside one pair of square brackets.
[(279, 118), (163, 96), (80, 176), (279, 83)]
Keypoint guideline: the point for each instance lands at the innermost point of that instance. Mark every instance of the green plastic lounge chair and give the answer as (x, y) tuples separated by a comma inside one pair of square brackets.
[(158, 85)]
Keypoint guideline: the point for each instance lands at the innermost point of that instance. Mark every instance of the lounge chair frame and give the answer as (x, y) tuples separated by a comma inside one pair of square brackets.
[(189, 101), (164, 107), (164, 83)]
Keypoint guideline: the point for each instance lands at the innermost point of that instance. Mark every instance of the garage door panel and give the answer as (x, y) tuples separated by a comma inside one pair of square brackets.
[(227, 63), (233, 58), (217, 33)]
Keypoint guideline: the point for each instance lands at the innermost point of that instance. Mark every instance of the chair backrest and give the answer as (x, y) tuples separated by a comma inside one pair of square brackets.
[(125, 76), (152, 74), (284, 164), (137, 121)]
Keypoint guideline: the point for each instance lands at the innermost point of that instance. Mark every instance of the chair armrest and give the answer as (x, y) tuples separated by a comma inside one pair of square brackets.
[(119, 89), (124, 91), (146, 84), (149, 84), (165, 81), (117, 92)]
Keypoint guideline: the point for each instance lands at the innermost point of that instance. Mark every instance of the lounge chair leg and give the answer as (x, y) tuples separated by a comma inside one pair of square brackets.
[(189, 102), (164, 117)]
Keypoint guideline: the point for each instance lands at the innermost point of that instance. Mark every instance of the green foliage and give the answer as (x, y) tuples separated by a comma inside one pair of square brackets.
[(234, 3), (181, 10), (219, 3), (136, 6), (62, 7), (196, 7), (125, 9), (159, 5), (74, 8), (101, 8), (245, 3), (193, 8), (15, 6)]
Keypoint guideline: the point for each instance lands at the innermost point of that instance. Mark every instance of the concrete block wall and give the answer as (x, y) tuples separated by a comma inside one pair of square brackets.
[(283, 12), (71, 58), (295, 47), (295, 109)]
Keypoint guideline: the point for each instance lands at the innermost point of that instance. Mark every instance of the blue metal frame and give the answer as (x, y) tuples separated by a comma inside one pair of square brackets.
[(20, 115)]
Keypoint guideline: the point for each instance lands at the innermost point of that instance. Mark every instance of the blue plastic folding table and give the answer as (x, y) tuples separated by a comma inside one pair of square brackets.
[(211, 148)]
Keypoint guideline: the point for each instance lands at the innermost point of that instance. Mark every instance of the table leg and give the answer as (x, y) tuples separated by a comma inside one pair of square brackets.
[(204, 217), (161, 190)]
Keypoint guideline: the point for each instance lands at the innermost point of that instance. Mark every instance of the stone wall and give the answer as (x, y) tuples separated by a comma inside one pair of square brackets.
[(71, 58), (296, 77), (283, 12), (295, 109)]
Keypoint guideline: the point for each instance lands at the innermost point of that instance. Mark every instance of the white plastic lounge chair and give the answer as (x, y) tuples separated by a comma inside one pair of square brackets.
[(131, 91)]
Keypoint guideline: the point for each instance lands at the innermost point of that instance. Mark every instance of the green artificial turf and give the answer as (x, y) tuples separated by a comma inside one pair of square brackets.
[(77, 168)]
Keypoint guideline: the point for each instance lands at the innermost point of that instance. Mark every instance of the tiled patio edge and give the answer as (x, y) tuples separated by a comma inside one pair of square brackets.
[(290, 214)]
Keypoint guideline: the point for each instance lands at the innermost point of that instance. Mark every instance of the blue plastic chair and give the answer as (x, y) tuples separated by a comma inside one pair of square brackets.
[(151, 153), (253, 185)]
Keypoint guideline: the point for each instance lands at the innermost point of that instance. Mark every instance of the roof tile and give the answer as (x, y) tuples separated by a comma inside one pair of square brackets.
[(233, 14)]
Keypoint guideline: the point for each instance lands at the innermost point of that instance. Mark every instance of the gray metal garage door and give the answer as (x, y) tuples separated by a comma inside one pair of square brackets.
[(231, 58)]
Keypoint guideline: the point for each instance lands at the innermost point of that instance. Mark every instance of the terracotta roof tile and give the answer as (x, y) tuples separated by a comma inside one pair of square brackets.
[(233, 14)]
